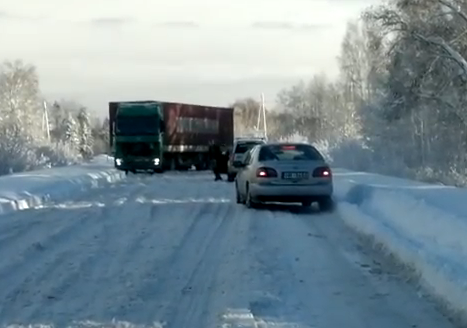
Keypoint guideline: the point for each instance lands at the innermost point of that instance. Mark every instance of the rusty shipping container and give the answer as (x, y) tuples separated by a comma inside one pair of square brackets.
[(191, 127)]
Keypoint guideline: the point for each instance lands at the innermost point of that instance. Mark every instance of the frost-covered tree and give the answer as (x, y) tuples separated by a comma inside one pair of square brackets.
[(24, 141), (20, 101), (85, 134), (399, 103), (72, 137), (20, 116), (100, 132)]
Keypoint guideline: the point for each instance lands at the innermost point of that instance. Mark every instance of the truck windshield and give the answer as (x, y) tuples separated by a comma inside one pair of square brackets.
[(137, 125)]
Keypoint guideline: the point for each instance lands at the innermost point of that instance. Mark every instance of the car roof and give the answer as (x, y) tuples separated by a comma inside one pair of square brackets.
[(246, 141), (289, 144), (280, 143)]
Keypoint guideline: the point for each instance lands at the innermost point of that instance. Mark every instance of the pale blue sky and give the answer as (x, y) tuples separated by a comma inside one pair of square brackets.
[(203, 51)]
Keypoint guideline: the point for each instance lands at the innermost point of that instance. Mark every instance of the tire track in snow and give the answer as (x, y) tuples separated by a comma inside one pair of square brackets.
[(47, 254), (91, 297), (16, 230), (129, 266), (31, 251), (81, 257), (26, 244), (132, 265), (88, 258), (150, 293), (27, 274), (231, 282), (304, 281), (310, 281), (26, 224), (191, 301), (42, 224)]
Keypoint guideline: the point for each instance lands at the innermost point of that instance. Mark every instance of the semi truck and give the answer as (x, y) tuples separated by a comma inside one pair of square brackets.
[(155, 136)]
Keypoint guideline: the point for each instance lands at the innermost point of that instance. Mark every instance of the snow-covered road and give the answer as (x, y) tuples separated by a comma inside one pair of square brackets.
[(176, 251)]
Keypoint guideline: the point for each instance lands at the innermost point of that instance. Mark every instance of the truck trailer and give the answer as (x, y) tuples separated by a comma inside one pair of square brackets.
[(156, 136)]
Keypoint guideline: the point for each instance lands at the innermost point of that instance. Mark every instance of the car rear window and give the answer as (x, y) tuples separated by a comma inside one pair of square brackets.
[(289, 153), (245, 146)]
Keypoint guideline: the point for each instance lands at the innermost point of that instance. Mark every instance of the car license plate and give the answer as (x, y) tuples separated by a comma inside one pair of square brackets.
[(295, 175)]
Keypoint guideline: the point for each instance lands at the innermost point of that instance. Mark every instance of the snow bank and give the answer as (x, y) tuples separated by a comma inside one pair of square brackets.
[(423, 225), (30, 189)]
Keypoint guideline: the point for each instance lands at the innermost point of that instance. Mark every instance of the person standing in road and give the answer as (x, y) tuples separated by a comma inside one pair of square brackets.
[(216, 156)]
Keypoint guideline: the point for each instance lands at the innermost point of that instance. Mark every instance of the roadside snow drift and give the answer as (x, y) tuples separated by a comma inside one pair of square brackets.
[(31, 189), (424, 225)]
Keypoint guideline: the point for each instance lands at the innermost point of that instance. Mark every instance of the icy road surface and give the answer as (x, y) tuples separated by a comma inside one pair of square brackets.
[(176, 251)]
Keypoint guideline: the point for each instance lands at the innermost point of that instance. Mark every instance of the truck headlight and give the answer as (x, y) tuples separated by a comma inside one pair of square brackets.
[(118, 161), (157, 161)]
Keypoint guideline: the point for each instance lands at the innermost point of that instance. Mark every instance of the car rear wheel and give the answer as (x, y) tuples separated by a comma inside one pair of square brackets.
[(249, 202), (326, 204), (239, 197)]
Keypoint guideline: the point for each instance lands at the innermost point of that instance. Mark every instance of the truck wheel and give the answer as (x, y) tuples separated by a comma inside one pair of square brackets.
[(126, 172), (307, 203), (200, 167), (231, 177), (158, 171)]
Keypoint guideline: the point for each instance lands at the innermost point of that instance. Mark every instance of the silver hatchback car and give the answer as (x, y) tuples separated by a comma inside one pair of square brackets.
[(285, 173)]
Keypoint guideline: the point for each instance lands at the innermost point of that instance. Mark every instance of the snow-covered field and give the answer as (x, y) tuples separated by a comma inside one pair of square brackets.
[(175, 250)]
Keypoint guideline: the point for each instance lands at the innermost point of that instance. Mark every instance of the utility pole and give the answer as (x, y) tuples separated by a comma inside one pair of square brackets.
[(262, 113), (263, 106), (45, 121)]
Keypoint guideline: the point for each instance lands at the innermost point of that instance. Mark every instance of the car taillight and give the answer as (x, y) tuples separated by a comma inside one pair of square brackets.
[(266, 172), (322, 172)]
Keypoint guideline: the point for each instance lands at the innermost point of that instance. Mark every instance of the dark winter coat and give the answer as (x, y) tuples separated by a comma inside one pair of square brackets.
[(216, 155)]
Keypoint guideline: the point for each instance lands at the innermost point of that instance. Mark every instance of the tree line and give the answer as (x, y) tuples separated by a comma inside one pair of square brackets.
[(26, 141), (398, 104)]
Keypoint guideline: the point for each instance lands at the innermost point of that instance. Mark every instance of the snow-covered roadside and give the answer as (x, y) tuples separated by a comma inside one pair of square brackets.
[(175, 250), (423, 225), (31, 189)]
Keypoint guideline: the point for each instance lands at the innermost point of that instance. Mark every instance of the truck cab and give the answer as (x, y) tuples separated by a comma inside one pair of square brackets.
[(138, 129)]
